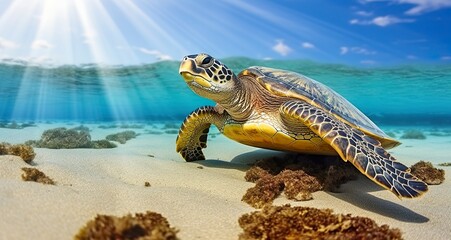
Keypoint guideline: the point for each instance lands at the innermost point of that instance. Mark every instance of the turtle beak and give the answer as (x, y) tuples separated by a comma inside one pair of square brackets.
[(186, 66), (191, 73)]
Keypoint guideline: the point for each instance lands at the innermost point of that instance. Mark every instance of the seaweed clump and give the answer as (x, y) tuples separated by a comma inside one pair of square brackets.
[(286, 222), (298, 176), (63, 138), (446, 164), (122, 137), (24, 151), (428, 173), (413, 134), (33, 174), (149, 225)]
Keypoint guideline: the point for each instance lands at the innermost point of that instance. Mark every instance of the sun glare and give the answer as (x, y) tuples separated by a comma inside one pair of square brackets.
[(54, 29)]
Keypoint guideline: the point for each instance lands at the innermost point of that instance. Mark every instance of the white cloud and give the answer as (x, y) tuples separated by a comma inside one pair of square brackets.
[(364, 13), (357, 50), (281, 48), (89, 36), (446, 58), (370, 1), (308, 45), (7, 44), (389, 20), (421, 6), (155, 53), (357, 21), (424, 6), (41, 44), (382, 21), (344, 50)]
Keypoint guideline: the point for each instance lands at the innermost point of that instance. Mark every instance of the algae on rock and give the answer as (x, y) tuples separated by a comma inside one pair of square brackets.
[(24, 151), (286, 222), (149, 225), (63, 138), (122, 137), (59, 138), (34, 175)]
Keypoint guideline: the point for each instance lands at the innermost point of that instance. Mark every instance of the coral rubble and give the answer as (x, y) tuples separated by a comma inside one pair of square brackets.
[(296, 175), (24, 151), (428, 173), (98, 144), (33, 174), (15, 125), (149, 225), (122, 137), (413, 134), (58, 138), (63, 138), (171, 131), (286, 222)]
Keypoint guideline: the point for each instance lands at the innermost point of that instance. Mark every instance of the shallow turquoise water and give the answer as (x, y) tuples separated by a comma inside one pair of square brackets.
[(401, 95)]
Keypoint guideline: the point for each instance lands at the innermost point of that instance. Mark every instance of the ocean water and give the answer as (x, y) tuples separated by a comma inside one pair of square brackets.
[(398, 95)]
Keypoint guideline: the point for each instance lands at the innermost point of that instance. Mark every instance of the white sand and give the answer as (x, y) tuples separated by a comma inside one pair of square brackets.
[(202, 203)]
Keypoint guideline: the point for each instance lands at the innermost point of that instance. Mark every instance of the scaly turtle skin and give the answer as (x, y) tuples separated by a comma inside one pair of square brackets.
[(282, 110)]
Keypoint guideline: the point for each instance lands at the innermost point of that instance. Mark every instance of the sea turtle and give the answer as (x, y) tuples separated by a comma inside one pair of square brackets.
[(282, 110)]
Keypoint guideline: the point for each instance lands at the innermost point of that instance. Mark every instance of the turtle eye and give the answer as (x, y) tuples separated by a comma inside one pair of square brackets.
[(207, 60)]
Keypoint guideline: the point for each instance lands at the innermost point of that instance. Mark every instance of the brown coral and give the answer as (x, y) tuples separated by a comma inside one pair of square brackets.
[(428, 173), (299, 185), (24, 151), (297, 175), (286, 222), (33, 174), (265, 191), (255, 173), (149, 226)]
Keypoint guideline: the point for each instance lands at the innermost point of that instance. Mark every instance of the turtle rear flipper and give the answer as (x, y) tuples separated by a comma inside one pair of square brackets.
[(194, 132), (364, 152)]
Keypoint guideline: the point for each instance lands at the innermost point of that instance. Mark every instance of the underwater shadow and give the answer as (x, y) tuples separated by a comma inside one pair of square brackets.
[(364, 200), (217, 163), (240, 162)]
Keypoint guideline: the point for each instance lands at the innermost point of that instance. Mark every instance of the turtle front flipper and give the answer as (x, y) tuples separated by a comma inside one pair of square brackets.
[(194, 131), (364, 152)]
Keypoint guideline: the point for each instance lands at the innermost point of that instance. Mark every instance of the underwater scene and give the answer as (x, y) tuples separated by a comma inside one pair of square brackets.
[(225, 119), (399, 95)]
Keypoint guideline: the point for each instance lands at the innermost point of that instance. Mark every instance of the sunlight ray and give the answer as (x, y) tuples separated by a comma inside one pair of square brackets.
[(21, 107), (54, 16), (96, 42), (22, 25), (148, 27)]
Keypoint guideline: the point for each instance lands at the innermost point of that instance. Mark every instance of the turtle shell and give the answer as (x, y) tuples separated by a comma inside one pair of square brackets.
[(294, 85)]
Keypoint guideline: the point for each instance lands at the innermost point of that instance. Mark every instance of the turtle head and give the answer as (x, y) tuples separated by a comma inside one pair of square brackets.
[(207, 76)]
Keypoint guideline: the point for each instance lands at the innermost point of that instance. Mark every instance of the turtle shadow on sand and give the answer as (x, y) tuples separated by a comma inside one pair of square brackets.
[(240, 162), (357, 194), (218, 163)]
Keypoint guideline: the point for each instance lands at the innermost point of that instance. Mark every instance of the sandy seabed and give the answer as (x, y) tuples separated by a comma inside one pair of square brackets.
[(201, 199)]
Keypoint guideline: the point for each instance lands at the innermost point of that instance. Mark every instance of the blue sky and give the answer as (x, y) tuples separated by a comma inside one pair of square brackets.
[(357, 32)]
